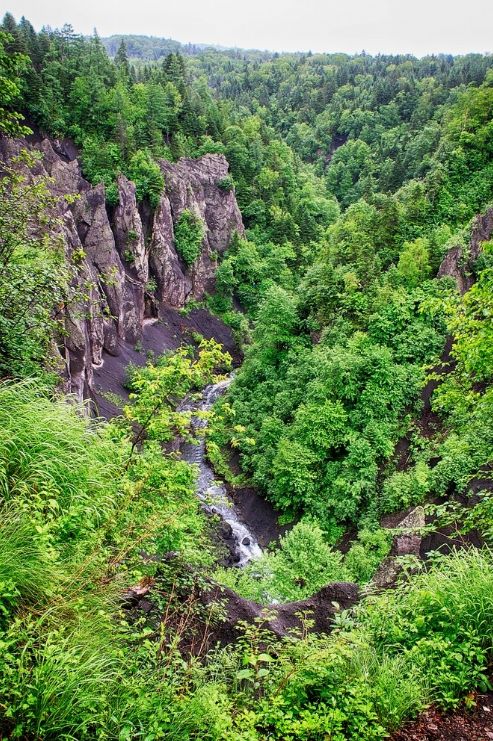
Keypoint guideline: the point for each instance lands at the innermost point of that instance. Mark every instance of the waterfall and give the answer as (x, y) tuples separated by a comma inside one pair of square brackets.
[(212, 492)]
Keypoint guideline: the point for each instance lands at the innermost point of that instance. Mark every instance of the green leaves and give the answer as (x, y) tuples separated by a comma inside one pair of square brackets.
[(413, 266), (147, 176), (11, 67), (157, 389), (36, 282), (189, 234)]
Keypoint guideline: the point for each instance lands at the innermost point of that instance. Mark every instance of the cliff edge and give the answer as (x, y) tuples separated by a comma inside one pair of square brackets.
[(130, 268)]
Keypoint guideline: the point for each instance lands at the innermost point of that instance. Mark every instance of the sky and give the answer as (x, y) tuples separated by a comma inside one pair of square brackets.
[(389, 26)]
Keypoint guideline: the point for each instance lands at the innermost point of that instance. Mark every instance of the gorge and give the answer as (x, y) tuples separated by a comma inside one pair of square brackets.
[(246, 401)]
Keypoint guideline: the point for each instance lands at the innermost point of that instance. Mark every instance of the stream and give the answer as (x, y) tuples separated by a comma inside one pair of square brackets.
[(212, 492)]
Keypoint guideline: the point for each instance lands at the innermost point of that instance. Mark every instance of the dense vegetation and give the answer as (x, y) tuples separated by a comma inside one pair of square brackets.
[(354, 176)]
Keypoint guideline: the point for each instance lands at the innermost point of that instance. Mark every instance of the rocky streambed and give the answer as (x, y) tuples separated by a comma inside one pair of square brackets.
[(240, 538)]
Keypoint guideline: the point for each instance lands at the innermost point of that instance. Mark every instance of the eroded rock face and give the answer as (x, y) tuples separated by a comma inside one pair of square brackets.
[(459, 263), (193, 185), (125, 275), (406, 542)]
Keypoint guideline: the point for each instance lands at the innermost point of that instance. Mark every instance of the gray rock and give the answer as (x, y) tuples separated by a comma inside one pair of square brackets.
[(458, 263), (226, 530), (117, 264), (414, 520), (130, 243), (407, 542), (192, 185)]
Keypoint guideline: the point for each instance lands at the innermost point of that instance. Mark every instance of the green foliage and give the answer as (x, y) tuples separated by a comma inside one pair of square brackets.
[(157, 388), (34, 276), (189, 234), (473, 330), (405, 489), (102, 162), (25, 566), (322, 420), (367, 553), (349, 175), (148, 178), (11, 67), (226, 184), (250, 269), (413, 266), (441, 621), (69, 494)]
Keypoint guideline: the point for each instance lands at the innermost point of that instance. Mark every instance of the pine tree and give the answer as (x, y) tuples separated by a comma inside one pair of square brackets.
[(121, 61), (16, 44), (174, 70)]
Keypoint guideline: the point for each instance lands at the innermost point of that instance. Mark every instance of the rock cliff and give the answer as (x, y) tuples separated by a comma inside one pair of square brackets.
[(459, 262), (130, 269)]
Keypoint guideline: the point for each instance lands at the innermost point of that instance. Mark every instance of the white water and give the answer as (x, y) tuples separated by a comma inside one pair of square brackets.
[(212, 492)]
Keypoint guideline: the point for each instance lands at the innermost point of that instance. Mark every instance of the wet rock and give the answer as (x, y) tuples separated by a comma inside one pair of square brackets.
[(246, 541), (226, 531)]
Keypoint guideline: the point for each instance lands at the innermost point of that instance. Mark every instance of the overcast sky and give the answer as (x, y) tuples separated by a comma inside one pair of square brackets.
[(415, 26)]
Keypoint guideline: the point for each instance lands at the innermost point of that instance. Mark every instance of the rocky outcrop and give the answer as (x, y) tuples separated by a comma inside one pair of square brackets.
[(406, 542), (220, 614), (280, 619), (192, 185), (458, 263), (129, 268)]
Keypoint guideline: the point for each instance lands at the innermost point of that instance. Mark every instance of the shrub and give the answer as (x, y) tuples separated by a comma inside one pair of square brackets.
[(189, 233), (147, 176), (405, 488), (226, 184), (442, 620), (366, 554)]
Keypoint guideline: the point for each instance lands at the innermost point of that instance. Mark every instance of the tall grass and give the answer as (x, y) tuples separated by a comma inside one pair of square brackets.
[(71, 512), (453, 597), (25, 566), (56, 463)]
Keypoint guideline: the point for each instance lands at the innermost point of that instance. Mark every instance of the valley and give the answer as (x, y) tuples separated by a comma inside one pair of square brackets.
[(246, 437)]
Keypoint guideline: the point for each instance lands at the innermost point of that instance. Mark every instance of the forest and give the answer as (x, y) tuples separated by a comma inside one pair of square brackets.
[(360, 299)]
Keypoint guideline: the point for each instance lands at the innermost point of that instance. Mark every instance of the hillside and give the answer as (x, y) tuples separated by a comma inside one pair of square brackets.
[(246, 437)]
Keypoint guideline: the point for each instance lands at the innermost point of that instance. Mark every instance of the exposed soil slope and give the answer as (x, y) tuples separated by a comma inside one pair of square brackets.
[(463, 725)]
